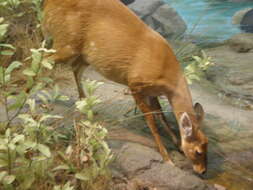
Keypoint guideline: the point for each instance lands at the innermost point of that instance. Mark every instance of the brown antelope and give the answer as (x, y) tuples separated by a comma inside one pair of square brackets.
[(107, 35)]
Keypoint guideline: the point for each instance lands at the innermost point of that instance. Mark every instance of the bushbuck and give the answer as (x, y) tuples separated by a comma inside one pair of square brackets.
[(110, 37)]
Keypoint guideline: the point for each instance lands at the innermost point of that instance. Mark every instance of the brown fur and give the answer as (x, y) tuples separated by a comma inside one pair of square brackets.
[(107, 35)]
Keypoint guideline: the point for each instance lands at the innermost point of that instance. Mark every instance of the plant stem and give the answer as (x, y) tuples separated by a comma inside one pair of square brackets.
[(5, 99), (9, 161), (16, 114)]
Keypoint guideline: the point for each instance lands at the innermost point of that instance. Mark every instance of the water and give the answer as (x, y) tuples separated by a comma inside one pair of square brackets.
[(209, 20)]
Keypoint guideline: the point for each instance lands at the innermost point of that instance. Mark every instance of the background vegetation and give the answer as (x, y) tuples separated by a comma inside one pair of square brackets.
[(34, 153)]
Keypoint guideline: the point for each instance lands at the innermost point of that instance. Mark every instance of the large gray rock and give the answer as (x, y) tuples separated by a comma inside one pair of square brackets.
[(232, 74), (241, 42), (127, 2), (145, 8), (244, 19), (247, 22), (144, 168), (159, 16), (237, 18), (240, 1)]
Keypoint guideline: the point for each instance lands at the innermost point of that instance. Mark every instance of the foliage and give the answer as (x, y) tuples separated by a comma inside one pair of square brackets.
[(30, 157), (90, 153), (12, 7), (24, 148), (197, 66), (5, 49)]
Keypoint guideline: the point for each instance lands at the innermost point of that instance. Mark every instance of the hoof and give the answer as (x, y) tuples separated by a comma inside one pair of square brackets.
[(170, 162)]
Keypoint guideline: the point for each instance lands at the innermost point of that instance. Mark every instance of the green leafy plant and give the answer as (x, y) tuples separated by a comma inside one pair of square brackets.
[(32, 149), (10, 4), (5, 49), (197, 66), (88, 158), (24, 148), (67, 186)]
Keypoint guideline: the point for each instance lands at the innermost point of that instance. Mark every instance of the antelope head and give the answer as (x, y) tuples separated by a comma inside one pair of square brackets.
[(193, 141)]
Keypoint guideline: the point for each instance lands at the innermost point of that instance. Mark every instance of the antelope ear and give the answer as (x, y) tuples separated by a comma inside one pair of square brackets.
[(199, 112), (186, 125)]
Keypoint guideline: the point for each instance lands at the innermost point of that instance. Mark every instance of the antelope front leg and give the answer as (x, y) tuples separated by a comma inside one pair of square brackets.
[(154, 103), (150, 119)]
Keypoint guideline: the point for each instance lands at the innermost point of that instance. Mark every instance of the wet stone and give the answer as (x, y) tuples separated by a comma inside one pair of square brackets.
[(144, 166)]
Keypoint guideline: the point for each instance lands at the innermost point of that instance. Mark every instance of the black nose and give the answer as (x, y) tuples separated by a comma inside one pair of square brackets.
[(203, 172)]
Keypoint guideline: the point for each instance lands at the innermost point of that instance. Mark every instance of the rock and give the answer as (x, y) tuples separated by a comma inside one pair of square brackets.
[(159, 16), (143, 166), (247, 22), (239, 1), (164, 176), (241, 42), (237, 18), (232, 73), (244, 19), (166, 19), (144, 8), (127, 2), (135, 157), (219, 187)]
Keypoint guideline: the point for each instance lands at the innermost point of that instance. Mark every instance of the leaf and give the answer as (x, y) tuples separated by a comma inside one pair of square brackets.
[(32, 104), (45, 117), (58, 187), (36, 59), (11, 146), (28, 181), (44, 150), (3, 147), (1, 19), (30, 144), (3, 29), (47, 64), (40, 158), (29, 72), (82, 176), (8, 133), (43, 98), (81, 105), (38, 87), (68, 187), (12, 66), (9, 179), (47, 50), (17, 139), (63, 98), (19, 101), (56, 92), (3, 163), (61, 167), (7, 46), (2, 175), (6, 52), (46, 93), (29, 82), (69, 150), (90, 115), (47, 79), (27, 119)]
